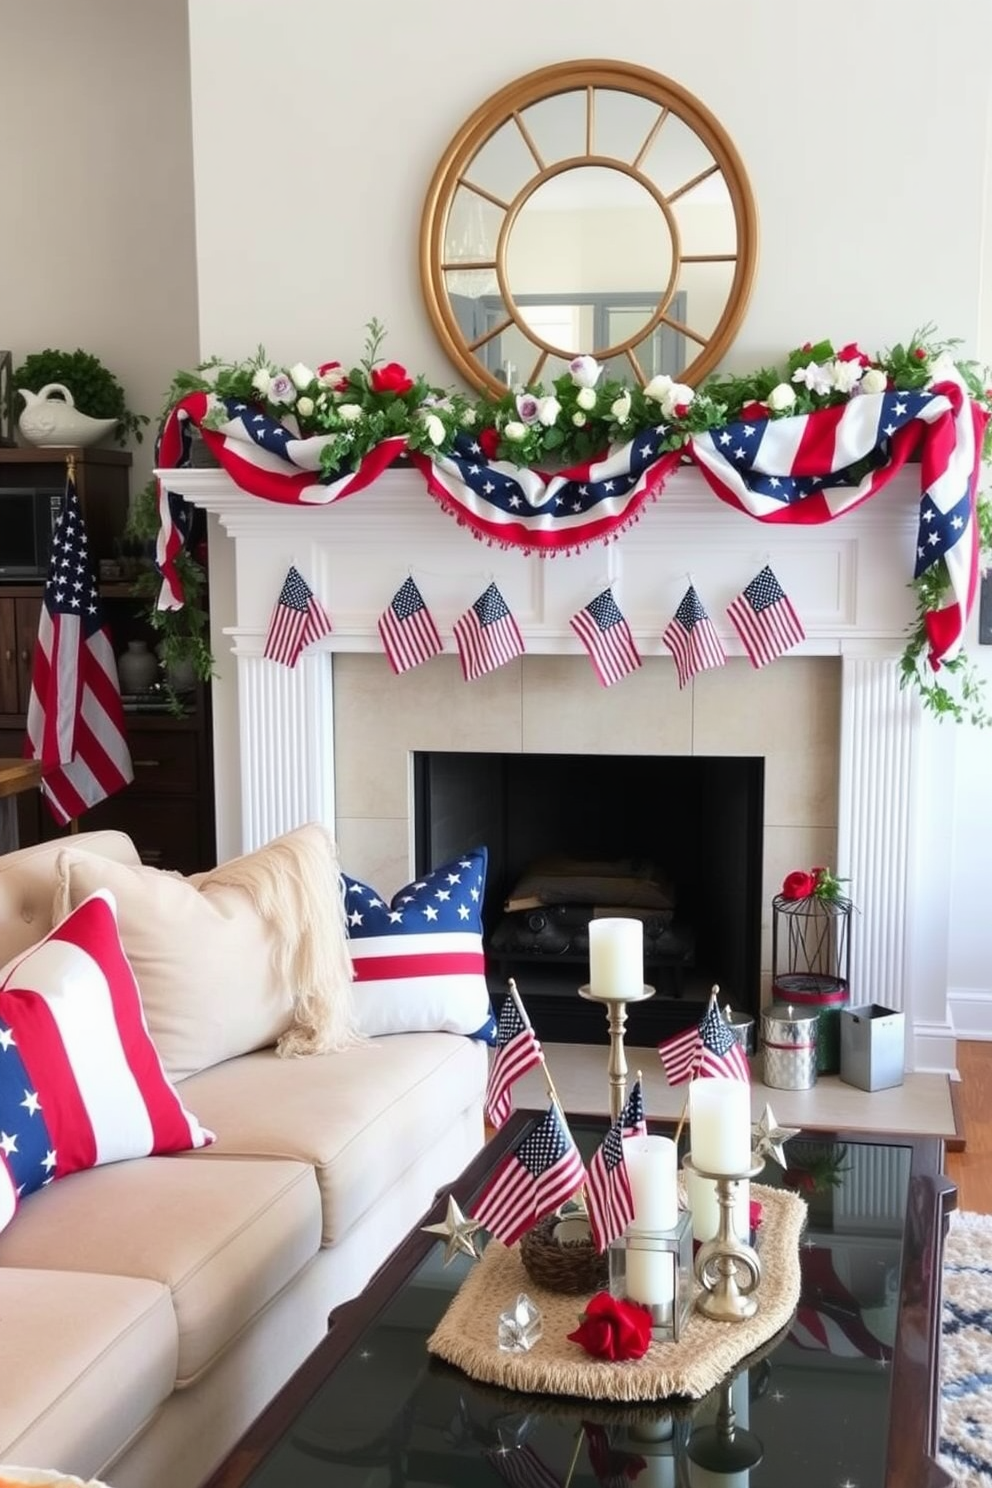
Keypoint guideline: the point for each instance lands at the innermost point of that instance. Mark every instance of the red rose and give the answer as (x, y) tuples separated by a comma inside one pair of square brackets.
[(752, 411), (852, 353), (489, 442), (920, 354), (613, 1329), (798, 885), (392, 378), (332, 375), (680, 410), (754, 1214)]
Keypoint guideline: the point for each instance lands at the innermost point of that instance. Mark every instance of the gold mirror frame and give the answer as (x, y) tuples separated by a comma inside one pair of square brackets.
[(506, 107)]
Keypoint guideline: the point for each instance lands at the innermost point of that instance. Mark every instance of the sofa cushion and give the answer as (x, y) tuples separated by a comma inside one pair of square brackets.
[(90, 1359), (27, 886), (235, 959), (419, 961), (224, 1237), (80, 1081), (361, 1118)]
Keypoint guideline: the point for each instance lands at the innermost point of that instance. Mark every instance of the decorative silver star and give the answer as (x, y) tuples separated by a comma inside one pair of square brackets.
[(459, 1233), (767, 1137)]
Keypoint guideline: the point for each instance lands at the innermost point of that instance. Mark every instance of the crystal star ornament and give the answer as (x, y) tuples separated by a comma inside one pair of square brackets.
[(767, 1137), (459, 1233)]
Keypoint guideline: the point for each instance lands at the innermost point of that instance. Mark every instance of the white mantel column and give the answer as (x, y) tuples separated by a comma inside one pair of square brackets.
[(287, 745)]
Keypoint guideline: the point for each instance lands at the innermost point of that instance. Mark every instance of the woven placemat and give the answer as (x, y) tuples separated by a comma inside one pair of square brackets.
[(706, 1352)]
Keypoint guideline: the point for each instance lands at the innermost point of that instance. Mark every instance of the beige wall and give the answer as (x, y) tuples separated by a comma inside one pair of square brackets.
[(97, 240)]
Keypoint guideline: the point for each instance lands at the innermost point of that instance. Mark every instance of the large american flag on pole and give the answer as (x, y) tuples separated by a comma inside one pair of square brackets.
[(541, 1172), (487, 636), (75, 720), (601, 627), (692, 639), (517, 1051), (708, 1048), (407, 630), (764, 618)]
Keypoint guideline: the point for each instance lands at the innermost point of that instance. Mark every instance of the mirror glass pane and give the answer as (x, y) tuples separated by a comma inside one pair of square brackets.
[(676, 156), (702, 298), (622, 123), (504, 164), (557, 126)]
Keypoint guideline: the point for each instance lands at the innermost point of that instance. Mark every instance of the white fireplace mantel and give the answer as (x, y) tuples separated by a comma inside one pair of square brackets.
[(848, 579)]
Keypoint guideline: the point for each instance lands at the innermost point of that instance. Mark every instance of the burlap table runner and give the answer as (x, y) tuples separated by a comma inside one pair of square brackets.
[(706, 1352)]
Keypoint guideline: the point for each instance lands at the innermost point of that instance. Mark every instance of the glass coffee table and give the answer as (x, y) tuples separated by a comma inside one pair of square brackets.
[(846, 1397)]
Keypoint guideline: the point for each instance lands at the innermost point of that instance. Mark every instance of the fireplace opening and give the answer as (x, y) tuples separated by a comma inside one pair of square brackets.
[(672, 840)]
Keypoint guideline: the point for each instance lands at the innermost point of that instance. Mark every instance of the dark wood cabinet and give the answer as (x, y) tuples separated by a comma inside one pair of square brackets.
[(168, 809)]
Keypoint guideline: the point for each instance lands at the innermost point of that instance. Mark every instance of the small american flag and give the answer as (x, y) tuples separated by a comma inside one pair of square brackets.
[(409, 635), (487, 636), (517, 1051), (709, 1048), (764, 619), (298, 618), (521, 1467), (604, 632), (609, 1200), (612, 1467), (75, 722), (632, 1120), (692, 639), (541, 1172)]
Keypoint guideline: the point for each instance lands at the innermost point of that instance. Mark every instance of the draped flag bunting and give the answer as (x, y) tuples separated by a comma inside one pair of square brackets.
[(298, 618), (539, 1173), (801, 469), (709, 1048), (407, 630), (692, 639), (602, 629), (487, 636), (75, 722), (763, 617)]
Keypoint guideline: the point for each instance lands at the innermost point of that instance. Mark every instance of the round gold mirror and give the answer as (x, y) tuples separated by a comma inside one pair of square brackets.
[(589, 207)]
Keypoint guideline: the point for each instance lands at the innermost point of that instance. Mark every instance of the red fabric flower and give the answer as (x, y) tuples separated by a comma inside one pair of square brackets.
[(852, 353), (754, 1215), (920, 354), (334, 374), (611, 1328), (489, 442), (752, 411), (392, 378), (798, 885)]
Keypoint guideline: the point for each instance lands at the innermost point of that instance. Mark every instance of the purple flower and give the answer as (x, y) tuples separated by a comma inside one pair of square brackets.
[(528, 408), (281, 389)]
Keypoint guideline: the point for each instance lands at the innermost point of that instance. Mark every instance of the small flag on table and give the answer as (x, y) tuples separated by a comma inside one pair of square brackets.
[(692, 639), (487, 636), (764, 619), (541, 1172), (409, 635), (604, 632), (75, 722), (517, 1051), (609, 1200), (298, 618), (709, 1048)]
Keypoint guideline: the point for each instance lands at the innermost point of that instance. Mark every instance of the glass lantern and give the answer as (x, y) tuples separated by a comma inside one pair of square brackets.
[(654, 1268)]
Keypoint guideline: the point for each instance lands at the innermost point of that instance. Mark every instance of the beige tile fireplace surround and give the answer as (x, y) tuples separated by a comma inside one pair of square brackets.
[(848, 755)]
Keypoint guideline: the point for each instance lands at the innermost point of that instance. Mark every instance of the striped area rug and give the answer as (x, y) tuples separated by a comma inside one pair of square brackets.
[(966, 1364)]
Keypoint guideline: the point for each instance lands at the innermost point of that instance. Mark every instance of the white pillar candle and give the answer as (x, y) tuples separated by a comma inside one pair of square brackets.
[(616, 958), (651, 1278), (720, 1125), (652, 1167), (705, 1211)]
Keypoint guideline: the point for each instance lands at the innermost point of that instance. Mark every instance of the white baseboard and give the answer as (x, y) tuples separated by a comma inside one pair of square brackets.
[(932, 1048), (970, 1011)]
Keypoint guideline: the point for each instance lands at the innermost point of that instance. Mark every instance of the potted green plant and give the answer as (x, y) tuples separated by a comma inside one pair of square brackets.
[(184, 635), (95, 389)]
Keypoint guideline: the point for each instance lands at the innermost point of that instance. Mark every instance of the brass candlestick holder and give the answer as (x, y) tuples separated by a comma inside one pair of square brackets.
[(616, 1014), (727, 1269)]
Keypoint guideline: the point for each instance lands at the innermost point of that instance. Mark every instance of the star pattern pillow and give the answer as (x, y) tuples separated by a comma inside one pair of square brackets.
[(418, 958), (81, 1082)]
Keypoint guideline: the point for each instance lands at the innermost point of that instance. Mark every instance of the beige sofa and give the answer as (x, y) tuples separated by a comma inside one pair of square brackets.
[(150, 1308)]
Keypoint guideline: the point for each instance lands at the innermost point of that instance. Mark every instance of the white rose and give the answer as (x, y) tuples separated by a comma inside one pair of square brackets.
[(658, 387), (781, 397), (586, 399), (578, 419), (468, 417), (846, 374), (435, 429), (260, 381), (304, 407), (815, 377), (585, 371), (874, 381), (621, 408), (548, 410), (515, 432), (678, 396), (302, 375), (349, 413)]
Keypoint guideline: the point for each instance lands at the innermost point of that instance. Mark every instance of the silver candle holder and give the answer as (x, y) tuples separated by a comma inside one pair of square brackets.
[(616, 1014), (728, 1269)]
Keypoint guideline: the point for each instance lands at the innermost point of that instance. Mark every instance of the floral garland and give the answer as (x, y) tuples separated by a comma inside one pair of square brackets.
[(584, 413)]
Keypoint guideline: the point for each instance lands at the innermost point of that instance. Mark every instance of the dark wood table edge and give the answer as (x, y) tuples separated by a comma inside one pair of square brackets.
[(914, 1417)]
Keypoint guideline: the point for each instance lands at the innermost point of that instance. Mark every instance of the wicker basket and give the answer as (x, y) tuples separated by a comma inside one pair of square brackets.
[(573, 1268)]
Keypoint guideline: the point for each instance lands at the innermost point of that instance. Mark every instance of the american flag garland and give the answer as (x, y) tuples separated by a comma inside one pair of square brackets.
[(802, 469)]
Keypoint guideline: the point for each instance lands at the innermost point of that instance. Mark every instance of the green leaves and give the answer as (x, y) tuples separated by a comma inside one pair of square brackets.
[(95, 390)]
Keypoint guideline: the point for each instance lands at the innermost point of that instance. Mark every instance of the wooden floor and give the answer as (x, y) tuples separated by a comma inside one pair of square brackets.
[(971, 1169)]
